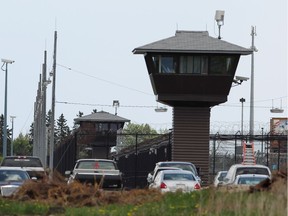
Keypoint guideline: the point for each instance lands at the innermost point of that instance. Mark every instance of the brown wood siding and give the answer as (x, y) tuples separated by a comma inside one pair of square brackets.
[(190, 139)]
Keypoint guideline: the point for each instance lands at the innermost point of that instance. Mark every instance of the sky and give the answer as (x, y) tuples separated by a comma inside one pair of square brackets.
[(95, 63)]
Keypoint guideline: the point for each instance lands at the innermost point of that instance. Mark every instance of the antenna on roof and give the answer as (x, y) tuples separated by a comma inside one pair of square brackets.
[(219, 18)]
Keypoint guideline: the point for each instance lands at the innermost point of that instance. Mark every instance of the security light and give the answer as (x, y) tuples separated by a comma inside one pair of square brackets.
[(219, 18), (7, 61)]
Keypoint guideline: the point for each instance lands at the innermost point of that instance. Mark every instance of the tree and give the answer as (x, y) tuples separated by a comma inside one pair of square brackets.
[(22, 145), (62, 130), (9, 134), (136, 133)]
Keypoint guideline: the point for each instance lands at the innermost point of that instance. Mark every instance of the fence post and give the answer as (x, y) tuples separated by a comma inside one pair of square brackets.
[(235, 158), (136, 162)]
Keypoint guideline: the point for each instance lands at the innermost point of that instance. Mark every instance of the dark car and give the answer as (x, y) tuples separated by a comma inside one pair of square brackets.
[(31, 164), (102, 172)]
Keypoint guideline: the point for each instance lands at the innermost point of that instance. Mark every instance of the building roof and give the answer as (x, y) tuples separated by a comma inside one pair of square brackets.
[(192, 42), (101, 117)]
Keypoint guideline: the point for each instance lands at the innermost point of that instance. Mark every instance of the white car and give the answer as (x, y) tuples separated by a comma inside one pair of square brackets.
[(250, 179), (219, 177), (151, 176), (175, 180), (181, 165), (240, 169), (11, 178)]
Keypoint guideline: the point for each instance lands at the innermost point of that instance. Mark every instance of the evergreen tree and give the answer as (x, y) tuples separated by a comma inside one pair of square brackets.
[(9, 134), (62, 130), (79, 115), (31, 133), (94, 111)]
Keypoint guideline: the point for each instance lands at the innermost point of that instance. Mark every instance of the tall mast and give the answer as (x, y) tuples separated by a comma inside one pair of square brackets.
[(52, 125), (251, 132)]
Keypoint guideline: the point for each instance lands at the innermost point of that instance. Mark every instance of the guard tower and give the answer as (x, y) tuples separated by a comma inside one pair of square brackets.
[(191, 72)]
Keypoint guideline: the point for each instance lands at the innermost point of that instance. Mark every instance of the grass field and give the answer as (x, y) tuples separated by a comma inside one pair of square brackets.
[(79, 200)]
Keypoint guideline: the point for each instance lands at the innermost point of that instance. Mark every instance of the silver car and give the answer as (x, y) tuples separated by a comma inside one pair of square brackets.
[(175, 180), (11, 178)]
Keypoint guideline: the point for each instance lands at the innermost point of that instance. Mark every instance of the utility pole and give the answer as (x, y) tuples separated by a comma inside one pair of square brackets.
[(53, 108), (251, 129), (43, 113), (12, 137), (242, 100), (5, 62)]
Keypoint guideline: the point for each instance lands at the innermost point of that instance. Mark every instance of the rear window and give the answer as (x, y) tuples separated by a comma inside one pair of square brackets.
[(252, 170), (251, 180), (22, 162), (179, 177), (96, 165), (187, 167)]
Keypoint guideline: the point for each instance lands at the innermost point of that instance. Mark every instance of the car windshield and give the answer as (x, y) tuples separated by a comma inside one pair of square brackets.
[(252, 170), (21, 162), (96, 165), (178, 176), (13, 175)]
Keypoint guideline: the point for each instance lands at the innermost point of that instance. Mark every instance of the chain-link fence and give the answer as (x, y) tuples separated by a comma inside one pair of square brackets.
[(136, 154)]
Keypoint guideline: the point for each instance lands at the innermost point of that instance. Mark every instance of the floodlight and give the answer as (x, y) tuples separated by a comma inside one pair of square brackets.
[(219, 18)]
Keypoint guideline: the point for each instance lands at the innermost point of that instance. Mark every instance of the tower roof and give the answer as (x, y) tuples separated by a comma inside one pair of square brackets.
[(192, 42)]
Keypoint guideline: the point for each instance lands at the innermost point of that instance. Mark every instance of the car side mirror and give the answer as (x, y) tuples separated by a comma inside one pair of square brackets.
[(68, 172), (149, 178)]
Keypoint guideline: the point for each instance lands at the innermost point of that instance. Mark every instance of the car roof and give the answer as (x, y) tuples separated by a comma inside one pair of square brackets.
[(176, 171), (174, 162), (12, 168), (168, 168), (89, 159), (251, 175), (249, 165)]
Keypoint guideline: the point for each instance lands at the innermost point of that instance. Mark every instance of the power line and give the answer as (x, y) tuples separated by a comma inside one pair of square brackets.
[(104, 105), (103, 80)]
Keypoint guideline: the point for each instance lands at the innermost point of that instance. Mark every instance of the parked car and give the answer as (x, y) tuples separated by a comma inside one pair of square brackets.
[(103, 172), (188, 166), (239, 169), (31, 164), (175, 180), (250, 179), (219, 177), (11, 178), (152, 175)]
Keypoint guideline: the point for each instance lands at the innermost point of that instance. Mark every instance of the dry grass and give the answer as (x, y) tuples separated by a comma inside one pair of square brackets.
[(56, 192), (267, 198)]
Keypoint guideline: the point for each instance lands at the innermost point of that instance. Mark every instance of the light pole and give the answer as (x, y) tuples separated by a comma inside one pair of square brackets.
[(5, 62), (116, 104), (242, 100), (12, 139), (253, 33)]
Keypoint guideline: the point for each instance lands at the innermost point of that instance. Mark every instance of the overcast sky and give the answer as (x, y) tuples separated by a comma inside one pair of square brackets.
[(96, 64)]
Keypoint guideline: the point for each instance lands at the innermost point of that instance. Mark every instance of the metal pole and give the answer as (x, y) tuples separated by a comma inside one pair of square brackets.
[(242, 100), (262, 143), (251, 132), (53, 109), (12, 139), (5, 116), (43, 113), (5, 62)]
